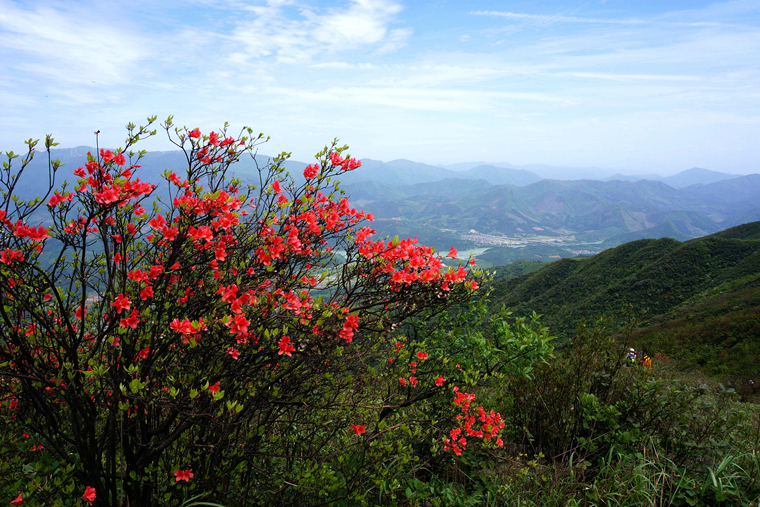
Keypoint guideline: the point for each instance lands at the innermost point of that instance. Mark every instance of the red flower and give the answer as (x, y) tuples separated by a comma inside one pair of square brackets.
[(9, 256), (183, 475), (56, 199), (402, 381), (351, 325), (195, 134), (80, 312), (276, 186), (453, 253), (422, 355), (439, 381), (239, 325), (34, 233), (285, 346), (89, 494), (130, 321), (121, 302), (18, 500), (358, 429), (214, 389), (119, 159), (311, 171), (234, 353), (352, 322)]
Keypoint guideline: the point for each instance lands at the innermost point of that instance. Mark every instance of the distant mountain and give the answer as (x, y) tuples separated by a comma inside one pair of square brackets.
[(633, 177), (728, 197), (464, 166), (406, 172), (696, 176), (753, 215), (613, 212), (501, 175), (379, 192), (543, 171), (586, 196), (593, 210), (693, 176)]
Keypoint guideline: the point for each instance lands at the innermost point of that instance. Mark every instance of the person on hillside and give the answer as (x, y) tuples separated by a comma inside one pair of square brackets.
[(631, 356), (646, 362)]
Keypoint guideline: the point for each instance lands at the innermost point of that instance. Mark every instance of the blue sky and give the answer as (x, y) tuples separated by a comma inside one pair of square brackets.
[(628, 86)]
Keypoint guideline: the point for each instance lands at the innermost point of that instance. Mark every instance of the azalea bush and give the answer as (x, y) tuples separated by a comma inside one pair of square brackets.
[(200, 338)]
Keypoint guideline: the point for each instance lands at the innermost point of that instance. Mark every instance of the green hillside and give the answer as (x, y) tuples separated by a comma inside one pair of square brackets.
[(515, 269), (704, 292), (499, 256), (665, 230)]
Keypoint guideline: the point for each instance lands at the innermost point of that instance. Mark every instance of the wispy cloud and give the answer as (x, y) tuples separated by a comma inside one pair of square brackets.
[(555, 18), (275, 31), (415, 99), (68, 45), (629, 77)]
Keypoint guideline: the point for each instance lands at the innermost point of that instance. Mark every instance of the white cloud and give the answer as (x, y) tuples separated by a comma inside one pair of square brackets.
[(362, 24)]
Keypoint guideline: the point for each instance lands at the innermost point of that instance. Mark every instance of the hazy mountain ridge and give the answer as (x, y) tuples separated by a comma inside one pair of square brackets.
[(591, 210), (430, 201), (693, 176)]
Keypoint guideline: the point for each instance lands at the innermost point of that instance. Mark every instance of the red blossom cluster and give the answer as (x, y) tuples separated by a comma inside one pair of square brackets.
[(490, 424), (348, 164), (34, 233), (8, 256)]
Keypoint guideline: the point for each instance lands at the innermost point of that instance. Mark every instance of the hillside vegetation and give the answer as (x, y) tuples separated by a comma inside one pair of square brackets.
[(700, 298)]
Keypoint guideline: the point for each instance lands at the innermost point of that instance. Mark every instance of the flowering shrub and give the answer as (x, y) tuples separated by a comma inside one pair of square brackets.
[(205, 337)]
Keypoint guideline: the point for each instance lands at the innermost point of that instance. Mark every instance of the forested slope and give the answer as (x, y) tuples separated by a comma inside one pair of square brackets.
[(701, 294)]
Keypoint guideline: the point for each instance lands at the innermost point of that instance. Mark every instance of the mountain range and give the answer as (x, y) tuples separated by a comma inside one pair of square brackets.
[(440, 205), (612, 212)]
